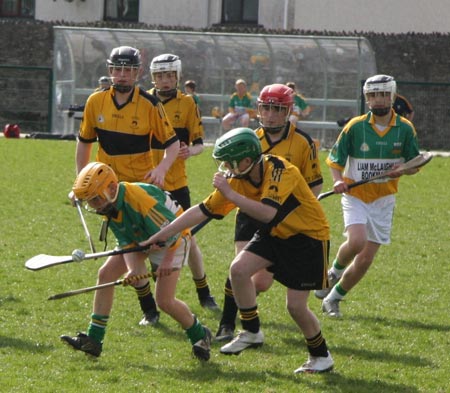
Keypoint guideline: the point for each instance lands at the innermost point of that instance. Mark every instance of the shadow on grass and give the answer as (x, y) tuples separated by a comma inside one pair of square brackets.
[(216, 374), (23, 345), (290, 326), (9, 299), (392, 322), (383, 356), (215, 371), (339, 383), (355, 352)]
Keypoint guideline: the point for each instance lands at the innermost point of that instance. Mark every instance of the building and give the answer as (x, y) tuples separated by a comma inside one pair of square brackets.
[(383, 16)]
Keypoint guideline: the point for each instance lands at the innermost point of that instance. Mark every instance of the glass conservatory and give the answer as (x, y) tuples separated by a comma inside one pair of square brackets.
[(327, 70)]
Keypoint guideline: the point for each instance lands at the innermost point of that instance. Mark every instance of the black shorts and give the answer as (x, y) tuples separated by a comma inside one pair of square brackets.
[(245, 227), (183, 197), (299, 262)]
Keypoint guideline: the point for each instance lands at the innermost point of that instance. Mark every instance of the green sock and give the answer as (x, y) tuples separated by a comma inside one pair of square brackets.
[(196, 332), (97, 327), (341, 291), (337, 269)]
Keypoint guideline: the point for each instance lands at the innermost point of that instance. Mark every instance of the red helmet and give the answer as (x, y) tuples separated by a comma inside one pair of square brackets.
[(11, 131), (277, 94), (279, 98)]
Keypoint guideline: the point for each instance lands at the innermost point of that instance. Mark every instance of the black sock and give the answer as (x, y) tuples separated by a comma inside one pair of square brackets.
[(250, 319), (230, 308), (145, 297), (202, 287), (317, 345)]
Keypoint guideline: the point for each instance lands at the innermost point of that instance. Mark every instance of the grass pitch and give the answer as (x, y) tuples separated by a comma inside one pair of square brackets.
[(394, 337)]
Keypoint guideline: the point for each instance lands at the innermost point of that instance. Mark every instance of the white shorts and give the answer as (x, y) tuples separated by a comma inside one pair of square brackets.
[(376, 216), (234, 117), (180, 258)]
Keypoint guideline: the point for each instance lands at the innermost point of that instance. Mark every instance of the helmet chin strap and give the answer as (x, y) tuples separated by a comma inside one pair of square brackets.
[(109, 210), (272, 130), (381, 111), (171, 93), (122, 88)]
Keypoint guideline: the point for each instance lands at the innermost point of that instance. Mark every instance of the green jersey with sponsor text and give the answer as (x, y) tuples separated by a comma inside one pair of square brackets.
[(364, 150)]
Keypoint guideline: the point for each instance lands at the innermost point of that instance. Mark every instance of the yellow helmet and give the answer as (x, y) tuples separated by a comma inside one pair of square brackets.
[(94, 180)]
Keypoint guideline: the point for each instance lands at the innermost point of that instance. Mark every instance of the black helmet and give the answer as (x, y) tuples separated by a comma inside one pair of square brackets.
[(124, 56)]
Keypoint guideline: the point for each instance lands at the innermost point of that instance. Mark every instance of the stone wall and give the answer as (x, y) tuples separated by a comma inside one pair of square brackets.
[(408, 57)]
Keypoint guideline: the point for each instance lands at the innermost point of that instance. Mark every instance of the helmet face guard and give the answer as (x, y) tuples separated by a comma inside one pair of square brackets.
[(380, 84), (235, 145), (275, 98), (124, 58), (92, 186), (166, 63), (235, 171)]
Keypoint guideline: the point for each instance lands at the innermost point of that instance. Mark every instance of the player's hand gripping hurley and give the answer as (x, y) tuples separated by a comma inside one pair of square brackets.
[(416, 162)]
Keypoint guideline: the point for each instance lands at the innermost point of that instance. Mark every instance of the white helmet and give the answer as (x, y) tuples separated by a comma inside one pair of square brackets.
[(166, 62), (379, 83)]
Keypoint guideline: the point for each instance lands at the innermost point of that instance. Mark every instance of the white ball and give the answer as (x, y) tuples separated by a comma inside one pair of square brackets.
[(77, 255)]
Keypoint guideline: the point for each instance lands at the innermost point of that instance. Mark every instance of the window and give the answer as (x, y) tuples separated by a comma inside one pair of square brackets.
[(17, 8), (240, 12), (122, 10)]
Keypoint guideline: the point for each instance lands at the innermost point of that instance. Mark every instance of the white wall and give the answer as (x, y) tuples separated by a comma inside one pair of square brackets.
[(73, 11), (192, 13), (276, 14), (381, 16)]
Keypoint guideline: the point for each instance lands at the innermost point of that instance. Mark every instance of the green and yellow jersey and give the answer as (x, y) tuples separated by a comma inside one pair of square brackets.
[(124, 131), (300, 104), (185, 118), (143, 210), (363, 150), (196, 99), (284, 188), (241, 104), (299, 149)]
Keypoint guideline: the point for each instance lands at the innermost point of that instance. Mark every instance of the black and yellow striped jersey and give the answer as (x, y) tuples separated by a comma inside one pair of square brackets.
[(299, 149), (185, 118), (124, 131), (283, 187)]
